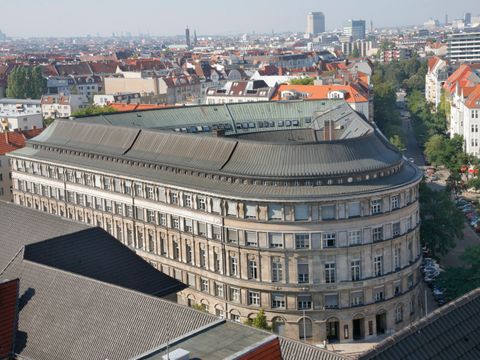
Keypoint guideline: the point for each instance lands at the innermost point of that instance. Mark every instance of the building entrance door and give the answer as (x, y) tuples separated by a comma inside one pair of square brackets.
[(333, 330), (358, 329), (381, 320)]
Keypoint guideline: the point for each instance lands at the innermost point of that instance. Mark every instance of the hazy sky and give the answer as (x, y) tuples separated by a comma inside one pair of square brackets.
[(169, 17)]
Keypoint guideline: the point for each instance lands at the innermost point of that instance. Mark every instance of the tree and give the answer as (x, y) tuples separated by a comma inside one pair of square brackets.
[(259, 321), (94, 110), (302, 81), (26, 82), (397, 141), (199, 307), (442, 222), (355, 52), (459, 280)]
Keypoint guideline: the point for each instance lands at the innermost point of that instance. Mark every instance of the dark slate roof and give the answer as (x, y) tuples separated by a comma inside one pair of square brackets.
[(407, 174), (65, 245), (293, 350), (360, 147), (66, 316), (449, 333), (96, 254)]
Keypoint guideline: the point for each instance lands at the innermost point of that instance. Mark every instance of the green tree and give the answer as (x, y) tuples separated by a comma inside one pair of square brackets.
[(460, 280), (397, 141), (199, 307), (94, 110), (442, 222), (355, 52), (302, 81), (26, 82), (259, 321)]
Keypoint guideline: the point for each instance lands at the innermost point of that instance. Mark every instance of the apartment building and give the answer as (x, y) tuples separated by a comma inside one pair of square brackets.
[(464, 46), (436, 76), (301, 208)]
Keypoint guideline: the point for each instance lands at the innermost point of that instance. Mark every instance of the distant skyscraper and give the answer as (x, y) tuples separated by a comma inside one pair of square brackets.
[(195, 40), (315, 23), (468, 19), (355, 29), (187, 37), (446, 19)]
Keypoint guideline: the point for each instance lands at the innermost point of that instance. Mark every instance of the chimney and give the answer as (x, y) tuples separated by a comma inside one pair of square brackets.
[(328, 129), (219, 133)]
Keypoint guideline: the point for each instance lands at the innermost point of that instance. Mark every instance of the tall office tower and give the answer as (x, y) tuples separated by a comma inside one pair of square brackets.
[(195, 40), (355, 29), (468, 18), (187, 37), (315, 23), (446, 19)]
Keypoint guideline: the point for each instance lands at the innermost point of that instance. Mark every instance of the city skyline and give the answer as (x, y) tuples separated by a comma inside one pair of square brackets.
[(65, 20)]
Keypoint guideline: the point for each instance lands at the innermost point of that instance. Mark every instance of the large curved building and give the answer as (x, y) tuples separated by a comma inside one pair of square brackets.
[(300, 208)]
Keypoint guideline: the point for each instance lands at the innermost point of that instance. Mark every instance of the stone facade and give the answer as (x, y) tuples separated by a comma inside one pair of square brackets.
[(340, 268)]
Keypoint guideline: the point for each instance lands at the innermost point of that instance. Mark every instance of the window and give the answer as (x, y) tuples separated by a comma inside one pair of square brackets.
[(377, 233), (278, 301), (277, 269), (394, 202), (356, 298), (303, 273), (251, 211), (203, 257), (106, 183), (397, 289), (302, 241), (399, 313), (232, 236), (204, 285), (235, 317), (187, 200), (376, 206), (173, 197), (355, 237), (301, 212), (219, 290), (162, 219), (253, 298), (252, 269), (304, 302), (175, 222), (151, 216), (176, 250), (328, 239), (231, 208), (191, 279), (275, 240), (149, 192), (118, 208), (189, 253), (410, 281), (251, 238), (355, 266), (216, 232), (217, 262), (378, 294), (330, 273), (396, 257), (331, 301), (233, 265), (328, 212), (201, 203), (235, 294), (378, 265), (202, 229), (275, 212), (396, 229)]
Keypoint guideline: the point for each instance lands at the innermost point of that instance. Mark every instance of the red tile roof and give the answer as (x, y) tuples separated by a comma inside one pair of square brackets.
[(319, 92), (464, 76), (268, 351), (8, 316), (473, 99), (432, 62), (13, 140)]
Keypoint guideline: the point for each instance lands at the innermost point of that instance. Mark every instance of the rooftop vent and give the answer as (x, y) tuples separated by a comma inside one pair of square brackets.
[(177, 354)]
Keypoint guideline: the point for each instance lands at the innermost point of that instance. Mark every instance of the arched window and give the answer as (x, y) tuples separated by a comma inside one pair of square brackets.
[(278, 326), (305, 329)]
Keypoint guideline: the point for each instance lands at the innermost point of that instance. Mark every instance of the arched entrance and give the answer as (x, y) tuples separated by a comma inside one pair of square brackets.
[(305, 329), (358, 327), (278, 326), (381, 322), (333, 330)]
